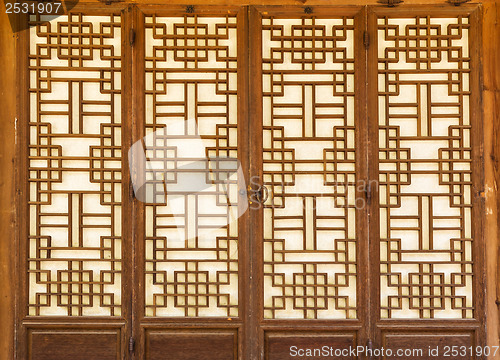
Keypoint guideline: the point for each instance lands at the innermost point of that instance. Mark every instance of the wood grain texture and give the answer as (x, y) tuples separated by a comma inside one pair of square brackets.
[(74, 345), (191, 345), (491, 117), (245, 263), (415, 341), (255, 230), (7, 200), (290, 345), (280, 2)]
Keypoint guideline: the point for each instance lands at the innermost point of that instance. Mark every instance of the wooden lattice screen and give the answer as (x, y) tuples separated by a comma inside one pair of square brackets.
[(357, 131)]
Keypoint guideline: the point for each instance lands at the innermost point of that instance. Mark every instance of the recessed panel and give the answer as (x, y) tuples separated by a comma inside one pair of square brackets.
[(430, 345), (74, 345), (191, 344), (309, 345)]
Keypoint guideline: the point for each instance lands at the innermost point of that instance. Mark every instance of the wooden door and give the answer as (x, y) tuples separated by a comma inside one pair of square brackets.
[(191, 259), (340, 201), (75, 236), (426, 228), (402, 274), (309, 144)]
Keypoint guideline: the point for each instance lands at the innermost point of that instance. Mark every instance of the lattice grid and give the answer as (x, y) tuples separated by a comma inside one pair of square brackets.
[(309, 167), (75, 166), (191, 237), (425, 167)]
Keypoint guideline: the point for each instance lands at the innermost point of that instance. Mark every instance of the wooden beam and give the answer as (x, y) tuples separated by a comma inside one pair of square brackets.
[(491, 116), (286, 2), (7, 189)]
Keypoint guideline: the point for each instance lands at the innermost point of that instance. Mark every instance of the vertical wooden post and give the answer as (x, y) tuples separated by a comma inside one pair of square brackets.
[(491, 116), (7, 193)]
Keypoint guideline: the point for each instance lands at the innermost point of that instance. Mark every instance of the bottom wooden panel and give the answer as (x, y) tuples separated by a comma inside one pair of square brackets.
[(280, 345), (431, 345), (181, 344), (48, 344)]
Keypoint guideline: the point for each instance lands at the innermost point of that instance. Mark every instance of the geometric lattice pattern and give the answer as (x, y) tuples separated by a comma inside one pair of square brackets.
[(425, 167), (75, 166), (309, 168), (191, 255)]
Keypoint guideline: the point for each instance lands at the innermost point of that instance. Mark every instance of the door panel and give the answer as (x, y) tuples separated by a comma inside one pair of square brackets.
[(425, 168), (190, 181), (75, 244), (79, 343), (311, 239), (191, 233), (191, 344), (307, 344), (417, 344), (429, 173)]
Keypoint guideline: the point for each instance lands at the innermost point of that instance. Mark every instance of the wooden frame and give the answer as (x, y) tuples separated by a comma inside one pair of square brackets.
[(413, 327), (358, 328), (11, 119), (144, 325), (26, 325)]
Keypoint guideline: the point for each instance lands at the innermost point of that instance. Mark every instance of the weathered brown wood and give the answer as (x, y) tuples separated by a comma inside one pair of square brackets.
[(191, 344), (7, 188), (138, 207), (372, 153), (244, 340), (278, 345), (255, 147), (128, 280), (282, 2), (418, 343), (75, 344), (491, 117), (22, 116), (478, 216)]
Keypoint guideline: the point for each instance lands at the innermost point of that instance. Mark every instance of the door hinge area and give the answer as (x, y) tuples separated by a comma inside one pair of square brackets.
[(131, 345), (366, 40), (132, 37)]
